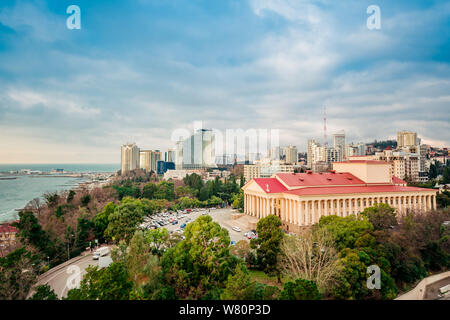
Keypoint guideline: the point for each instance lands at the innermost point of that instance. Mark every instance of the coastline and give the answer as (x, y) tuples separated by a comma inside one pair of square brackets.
[(88, 181)]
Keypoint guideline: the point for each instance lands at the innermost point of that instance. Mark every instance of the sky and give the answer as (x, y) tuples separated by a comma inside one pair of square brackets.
[(139, 69)]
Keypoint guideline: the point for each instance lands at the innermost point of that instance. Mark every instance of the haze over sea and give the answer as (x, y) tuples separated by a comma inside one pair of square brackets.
[(18, 192)]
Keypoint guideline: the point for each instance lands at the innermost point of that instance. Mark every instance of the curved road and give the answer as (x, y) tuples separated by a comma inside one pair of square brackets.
[(63, 277)]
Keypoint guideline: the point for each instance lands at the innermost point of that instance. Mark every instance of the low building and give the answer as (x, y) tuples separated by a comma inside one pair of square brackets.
[(181, 174), (7, 236), (263, 169), (300, 199)]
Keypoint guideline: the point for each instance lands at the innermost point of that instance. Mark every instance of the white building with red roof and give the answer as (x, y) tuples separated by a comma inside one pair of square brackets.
[(300, 199)]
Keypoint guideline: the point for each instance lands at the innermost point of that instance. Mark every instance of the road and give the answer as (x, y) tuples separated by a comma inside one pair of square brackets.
[(62, 277)]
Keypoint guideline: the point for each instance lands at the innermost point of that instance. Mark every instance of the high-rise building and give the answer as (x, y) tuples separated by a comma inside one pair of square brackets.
[(179, 155), (198, 150), (149, 160), (407, 139), (339, 143), (275, 153), (291, 154), (171, 155), (129, 157)]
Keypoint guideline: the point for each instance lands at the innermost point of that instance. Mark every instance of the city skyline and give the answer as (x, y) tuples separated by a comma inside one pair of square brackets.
[(138, 72)]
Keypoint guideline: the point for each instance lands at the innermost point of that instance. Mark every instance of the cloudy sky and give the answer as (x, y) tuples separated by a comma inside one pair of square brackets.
[(139, 69)]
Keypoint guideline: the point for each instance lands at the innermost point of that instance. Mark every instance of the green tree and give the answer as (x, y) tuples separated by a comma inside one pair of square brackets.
[(239, 285), (111, 283), (346, 230), (44, 292), (124, 220), (198, 266), (101, 220), (70, 196), (268, 244), (165, 190), (18, 272), (59, 212), (85, 200), (149, 190), (381, 216), (301, 289)]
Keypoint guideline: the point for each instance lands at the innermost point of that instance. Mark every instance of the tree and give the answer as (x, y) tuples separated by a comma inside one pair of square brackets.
[(446, 175), (268, 244), (124, 220), (31, 233), (184, 191), (301, 289), (85, 200), (70, 196), (345, 230), (310, 256), (59, 212), (140, 263), (238, 201), (149, 190), (381, 216), (239, 285), (241, 249), (18, 272), (109, 283), (198, 266), (44, 292), (193, 181), (432, 172), (101, 220), (165, 190), (158, 240)]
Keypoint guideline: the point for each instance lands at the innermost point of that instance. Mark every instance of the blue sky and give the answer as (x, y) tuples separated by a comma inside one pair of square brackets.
[(139, 69)]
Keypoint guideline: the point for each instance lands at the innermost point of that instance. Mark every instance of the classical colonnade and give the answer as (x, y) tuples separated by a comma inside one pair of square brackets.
[(303, 211)]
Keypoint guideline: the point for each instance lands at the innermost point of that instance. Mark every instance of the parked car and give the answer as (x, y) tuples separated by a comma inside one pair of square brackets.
[(183, 225), (175, 222), (237, 229), (233, 243)]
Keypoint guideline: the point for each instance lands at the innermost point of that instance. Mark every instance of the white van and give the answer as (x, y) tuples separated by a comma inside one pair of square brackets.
[(100, 252)]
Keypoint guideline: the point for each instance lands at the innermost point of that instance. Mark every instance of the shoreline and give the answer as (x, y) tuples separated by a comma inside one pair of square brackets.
[(89, 181)]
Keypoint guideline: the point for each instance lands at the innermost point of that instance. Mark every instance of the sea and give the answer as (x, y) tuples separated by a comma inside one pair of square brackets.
[(16, 193)]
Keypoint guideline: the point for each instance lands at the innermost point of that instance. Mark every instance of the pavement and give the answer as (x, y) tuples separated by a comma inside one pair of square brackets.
[(66, 276)]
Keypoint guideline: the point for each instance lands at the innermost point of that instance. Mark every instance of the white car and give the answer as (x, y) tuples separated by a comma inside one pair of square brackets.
[(237, 229), (100, 252)]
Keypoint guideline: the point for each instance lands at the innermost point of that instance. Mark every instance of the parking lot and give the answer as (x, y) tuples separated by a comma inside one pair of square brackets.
[(176, 221)]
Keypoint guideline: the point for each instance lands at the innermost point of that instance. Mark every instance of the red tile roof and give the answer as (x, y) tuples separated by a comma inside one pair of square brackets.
[(318, 179), (353, 189), (272, 184), (7, 228), (396, 180)]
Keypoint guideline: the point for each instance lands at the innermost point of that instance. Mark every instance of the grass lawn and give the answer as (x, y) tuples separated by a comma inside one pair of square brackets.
[(260, 276)]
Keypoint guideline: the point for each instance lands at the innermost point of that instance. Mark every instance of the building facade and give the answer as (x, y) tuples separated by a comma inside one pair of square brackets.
[(264, 169), (198, 150), (130, 157), (149, 160), (407, 139), (300, 199), (291, 154)]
